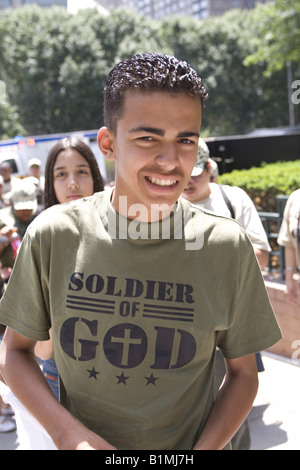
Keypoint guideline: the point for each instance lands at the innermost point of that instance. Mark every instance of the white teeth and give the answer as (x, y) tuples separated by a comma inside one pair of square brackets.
[(161, 182)]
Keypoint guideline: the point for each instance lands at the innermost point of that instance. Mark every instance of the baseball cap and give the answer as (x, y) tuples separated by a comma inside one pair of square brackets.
[(202, 158), (34, 161), (23, 197)]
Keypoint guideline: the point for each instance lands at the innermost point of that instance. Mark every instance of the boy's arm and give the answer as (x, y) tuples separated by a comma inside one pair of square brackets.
[(26, 380), (232, 405)]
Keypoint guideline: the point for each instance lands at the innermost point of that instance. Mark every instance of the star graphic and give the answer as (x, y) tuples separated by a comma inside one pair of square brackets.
[(151, 379), (93, 373), (122, 379)]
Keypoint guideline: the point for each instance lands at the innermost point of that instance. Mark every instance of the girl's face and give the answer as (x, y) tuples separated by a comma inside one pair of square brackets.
[(72, 176)]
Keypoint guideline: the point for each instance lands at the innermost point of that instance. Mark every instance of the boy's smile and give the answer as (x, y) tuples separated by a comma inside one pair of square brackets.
[(154, 147)]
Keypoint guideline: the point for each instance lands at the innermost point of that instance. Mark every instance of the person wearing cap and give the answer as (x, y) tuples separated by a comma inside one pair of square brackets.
[(230, 201), (16, 218), (34, 167), (7, 423), (35, 171), (214, 171), (235, 203)]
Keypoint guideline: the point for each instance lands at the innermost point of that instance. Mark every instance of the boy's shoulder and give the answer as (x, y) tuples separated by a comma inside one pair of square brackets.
[(61, 215)]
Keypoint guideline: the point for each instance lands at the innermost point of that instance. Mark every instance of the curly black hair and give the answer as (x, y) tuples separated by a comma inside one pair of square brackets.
[(147, 73)]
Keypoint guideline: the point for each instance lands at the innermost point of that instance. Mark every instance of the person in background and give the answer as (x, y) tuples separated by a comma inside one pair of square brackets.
[(71, 173), (289, 238), (235, 203), (214, 171), (35, 171), (229, 201), (10, 182), (14, 221)]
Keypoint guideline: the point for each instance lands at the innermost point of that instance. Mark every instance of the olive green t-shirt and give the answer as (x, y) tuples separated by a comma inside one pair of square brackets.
[(137, 312)]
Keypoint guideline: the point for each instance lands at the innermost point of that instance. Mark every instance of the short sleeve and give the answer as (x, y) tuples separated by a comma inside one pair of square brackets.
[(253, 325)]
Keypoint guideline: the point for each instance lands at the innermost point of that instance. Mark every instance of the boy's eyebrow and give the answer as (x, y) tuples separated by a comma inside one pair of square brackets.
[(151, 130), (161, 133), (189, 134)]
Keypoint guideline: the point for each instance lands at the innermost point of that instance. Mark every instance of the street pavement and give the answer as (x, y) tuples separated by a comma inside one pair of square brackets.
[(275, 417)]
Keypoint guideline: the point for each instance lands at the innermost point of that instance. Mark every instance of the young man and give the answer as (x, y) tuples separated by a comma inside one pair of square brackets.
[(136, 312)]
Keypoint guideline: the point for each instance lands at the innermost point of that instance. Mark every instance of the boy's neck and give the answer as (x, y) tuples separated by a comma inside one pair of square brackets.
[(140, 212)]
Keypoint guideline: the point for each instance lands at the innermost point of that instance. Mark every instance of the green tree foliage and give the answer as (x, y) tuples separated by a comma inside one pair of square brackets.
[(55, 65), (9, 121), (241, 98), (124, 33), (277, 38), (51, 70)]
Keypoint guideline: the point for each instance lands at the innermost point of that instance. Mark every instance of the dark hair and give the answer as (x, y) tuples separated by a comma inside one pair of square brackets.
[(84, 150), (148, 73)]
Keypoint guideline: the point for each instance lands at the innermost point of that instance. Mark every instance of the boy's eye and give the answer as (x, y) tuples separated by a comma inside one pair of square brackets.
[(187, 141), (146, 138)]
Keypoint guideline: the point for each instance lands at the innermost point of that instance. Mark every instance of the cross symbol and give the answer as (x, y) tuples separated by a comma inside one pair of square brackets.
[(126, 341)]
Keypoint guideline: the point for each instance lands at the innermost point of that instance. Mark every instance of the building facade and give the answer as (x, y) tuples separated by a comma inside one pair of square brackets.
[(41, 3), (196, 8), (153, 8)]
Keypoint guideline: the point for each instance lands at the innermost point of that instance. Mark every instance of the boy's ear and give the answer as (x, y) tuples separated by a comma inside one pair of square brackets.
[(105, 139)]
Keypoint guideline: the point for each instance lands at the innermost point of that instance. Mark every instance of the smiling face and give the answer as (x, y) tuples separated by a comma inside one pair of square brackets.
[(72, 176), (154, 147)]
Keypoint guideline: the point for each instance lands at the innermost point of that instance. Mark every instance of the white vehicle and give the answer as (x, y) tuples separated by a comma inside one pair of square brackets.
[(20, 150)]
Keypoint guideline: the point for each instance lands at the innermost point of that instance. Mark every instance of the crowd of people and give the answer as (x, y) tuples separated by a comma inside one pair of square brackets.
[(136, 334), (71, 173)]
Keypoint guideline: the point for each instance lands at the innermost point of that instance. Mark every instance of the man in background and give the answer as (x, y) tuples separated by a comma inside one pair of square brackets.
[(229, 201)]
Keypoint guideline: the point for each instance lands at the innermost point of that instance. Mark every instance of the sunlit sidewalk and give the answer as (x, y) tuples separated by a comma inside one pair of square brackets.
[(275, 417)]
